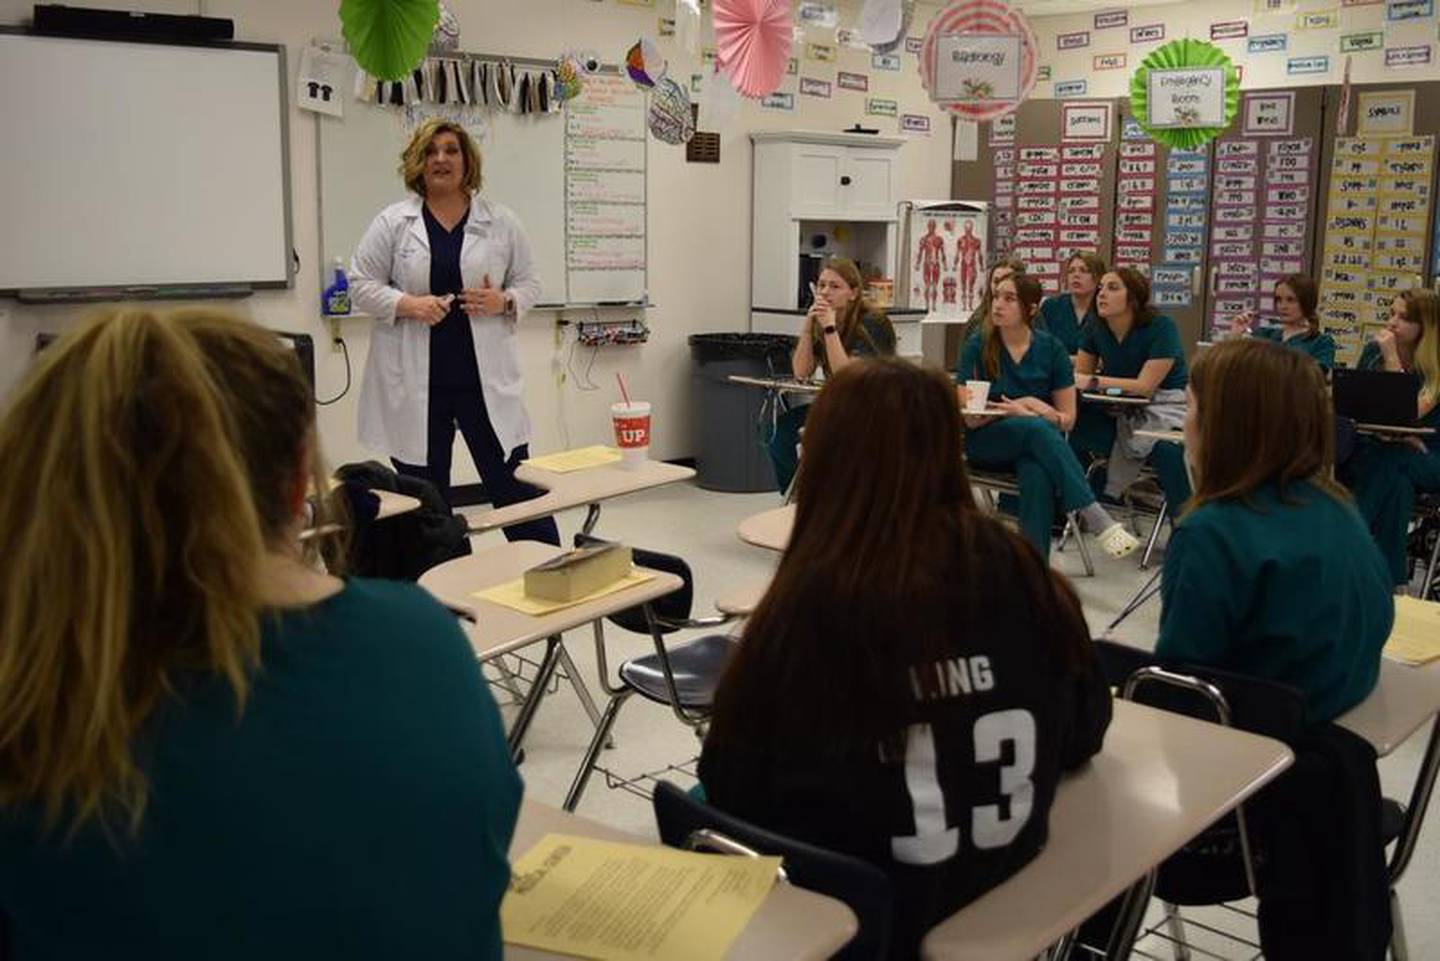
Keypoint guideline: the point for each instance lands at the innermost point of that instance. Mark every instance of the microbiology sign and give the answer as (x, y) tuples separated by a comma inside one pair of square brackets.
[(970, 67), (1186, 98)]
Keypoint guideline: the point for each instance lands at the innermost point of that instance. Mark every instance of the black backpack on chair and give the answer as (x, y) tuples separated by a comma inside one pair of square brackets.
[(404, 546)]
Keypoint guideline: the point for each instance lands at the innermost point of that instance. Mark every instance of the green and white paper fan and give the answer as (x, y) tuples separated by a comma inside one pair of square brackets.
[(1178, 55), (389, 38)]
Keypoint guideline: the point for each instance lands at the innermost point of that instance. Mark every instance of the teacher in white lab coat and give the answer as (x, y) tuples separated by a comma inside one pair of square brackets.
[(447, 275)]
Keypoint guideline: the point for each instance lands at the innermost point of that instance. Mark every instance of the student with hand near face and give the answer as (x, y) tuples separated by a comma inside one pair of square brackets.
[(1296, 300), (1386, 474), (839, 326)]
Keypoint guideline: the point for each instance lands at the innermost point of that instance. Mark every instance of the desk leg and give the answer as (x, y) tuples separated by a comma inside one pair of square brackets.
[(537, 693), (1131, 916), (592, 517), (1419, 801), (582, 691)]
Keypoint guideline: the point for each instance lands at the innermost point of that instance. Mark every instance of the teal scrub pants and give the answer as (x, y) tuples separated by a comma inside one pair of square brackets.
[(783, 453), (1094, 436), (1385, 478), (1044, 464)]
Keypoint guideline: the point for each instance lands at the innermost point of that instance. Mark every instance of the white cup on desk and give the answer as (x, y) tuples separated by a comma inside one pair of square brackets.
[(977, 395), (632, 431)]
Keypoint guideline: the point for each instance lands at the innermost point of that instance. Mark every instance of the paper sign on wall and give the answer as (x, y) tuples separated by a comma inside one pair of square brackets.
[(1188, 98), (1149, 33), (977, 67), (1269, 114), (1391, 112), (1085, 121)]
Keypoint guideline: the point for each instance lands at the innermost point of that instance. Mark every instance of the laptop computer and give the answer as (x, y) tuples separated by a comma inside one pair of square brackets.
[(1385, 397)]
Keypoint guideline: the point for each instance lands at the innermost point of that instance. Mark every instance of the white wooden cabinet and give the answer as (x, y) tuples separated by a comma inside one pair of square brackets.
[(808, 187)]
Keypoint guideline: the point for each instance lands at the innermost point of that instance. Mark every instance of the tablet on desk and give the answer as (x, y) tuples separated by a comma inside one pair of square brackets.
[(1376, 397)]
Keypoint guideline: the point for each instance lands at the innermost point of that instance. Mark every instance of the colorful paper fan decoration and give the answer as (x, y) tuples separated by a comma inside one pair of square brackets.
[(988, 53), (644, 64), (1184, 54), (671, 120), (752, 41), (388, 38), (447, 31), (570, 73)]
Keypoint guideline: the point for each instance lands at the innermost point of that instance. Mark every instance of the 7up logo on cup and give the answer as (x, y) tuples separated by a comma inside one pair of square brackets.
[(632, 430)]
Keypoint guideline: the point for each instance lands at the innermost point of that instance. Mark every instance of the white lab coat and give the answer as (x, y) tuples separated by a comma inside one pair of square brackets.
[(393, 258)]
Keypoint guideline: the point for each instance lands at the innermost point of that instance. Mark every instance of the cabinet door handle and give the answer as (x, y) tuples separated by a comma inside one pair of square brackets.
[(844, 181)]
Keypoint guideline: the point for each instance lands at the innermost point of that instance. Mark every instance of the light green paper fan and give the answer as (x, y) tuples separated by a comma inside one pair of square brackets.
[(1178, 54), (389, 38)]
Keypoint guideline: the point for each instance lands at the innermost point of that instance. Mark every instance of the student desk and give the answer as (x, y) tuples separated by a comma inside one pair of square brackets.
[(1394, 430), (791, 925), (1113, 400), (392, 503), (1160, 780), (769, 529), (586, 487), (778, 385), (498, 630), (1170, 436)]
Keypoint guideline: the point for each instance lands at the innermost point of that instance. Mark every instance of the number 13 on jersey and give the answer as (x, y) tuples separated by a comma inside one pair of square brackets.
[(934, 839)]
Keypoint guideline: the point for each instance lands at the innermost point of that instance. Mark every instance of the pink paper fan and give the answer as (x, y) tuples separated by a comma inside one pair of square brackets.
[(752, 41)]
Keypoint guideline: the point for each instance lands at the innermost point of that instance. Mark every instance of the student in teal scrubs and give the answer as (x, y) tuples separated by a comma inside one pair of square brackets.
[(1135, 350), (1030, 378), (1065, 315), (1271, 572), (1386, 475), (839, 326), (1296, 302), (209, 747)]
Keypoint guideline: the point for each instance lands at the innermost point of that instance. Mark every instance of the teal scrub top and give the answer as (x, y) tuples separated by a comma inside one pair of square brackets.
[(1372, 359), (1320, 346), (1057, 317), (1157, 340), (1290, 590), (361, 806), (1044, 369)]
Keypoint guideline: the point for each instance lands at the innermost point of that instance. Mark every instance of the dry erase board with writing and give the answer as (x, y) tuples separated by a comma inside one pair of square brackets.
[(576, 181), (142, 164)]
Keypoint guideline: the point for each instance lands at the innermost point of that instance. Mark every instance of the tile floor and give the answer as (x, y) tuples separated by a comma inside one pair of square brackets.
[(700, 526)]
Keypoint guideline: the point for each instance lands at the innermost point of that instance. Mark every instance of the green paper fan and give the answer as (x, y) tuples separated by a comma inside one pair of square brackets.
[(1179, 54), (389, 38)]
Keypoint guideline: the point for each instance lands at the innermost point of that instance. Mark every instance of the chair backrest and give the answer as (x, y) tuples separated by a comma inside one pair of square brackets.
[(861, 885), (1256, 705), (674, 606)]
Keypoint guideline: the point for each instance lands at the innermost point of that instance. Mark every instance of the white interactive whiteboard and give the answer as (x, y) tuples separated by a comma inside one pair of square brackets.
[(576, 181), (142, 164)]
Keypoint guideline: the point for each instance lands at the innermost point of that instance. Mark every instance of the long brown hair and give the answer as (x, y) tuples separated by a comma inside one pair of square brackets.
[(848, 323), (147, 463), (1264, 418), (1307, 294), (1015, 265), (1422, 306), (1137, 295), (1030, 293), (1094, 266), (887, 546)]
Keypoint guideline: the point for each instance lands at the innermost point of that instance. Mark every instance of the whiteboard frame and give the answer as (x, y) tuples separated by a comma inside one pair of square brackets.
[(199, 289)]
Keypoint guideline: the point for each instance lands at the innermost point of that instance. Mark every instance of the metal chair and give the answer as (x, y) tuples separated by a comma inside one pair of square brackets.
[(683, 676), (687, 822), (1133, 507), (993, 482), (1425, 544)]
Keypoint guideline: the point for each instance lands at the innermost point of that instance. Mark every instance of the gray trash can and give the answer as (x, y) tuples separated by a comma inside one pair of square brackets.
[(733, 423)]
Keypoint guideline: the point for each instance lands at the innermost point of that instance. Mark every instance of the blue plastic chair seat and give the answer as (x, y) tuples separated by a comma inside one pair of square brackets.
[(697, 666)]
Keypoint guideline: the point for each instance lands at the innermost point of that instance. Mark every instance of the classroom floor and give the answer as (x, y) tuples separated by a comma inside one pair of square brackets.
[(700, 526)]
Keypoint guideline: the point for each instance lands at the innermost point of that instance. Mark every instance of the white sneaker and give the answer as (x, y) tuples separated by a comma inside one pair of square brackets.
[(1116, 541)]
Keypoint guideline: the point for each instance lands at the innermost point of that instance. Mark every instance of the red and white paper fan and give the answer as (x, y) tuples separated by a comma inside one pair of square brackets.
[(752, 43), (981, 18)]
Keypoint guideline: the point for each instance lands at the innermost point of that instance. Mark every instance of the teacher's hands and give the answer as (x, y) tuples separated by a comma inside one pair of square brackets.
[(425, 308), (484, 300)]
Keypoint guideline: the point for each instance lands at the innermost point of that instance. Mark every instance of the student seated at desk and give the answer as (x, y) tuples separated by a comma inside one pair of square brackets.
[(1031, 377), (1296, 301), (1131, 348), (839, 326), (1065, 315), (1386, 473), (1271, 573), (998, 272), (915, 679), (209, 748)]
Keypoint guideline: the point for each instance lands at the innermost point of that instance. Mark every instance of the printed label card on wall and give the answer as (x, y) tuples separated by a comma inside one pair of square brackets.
[(1002, 220), (1271, 114), (1187, 182), (1388, 113), (1085, 121), (1135, 200), (1186, 98)]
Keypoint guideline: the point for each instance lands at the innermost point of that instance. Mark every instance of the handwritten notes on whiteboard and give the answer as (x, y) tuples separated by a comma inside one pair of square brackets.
[(605, 142)]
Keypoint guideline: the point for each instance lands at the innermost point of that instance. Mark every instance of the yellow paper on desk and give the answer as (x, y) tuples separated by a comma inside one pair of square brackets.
[(631, 902), (565, 461), (1415, 638), (512, 594)]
